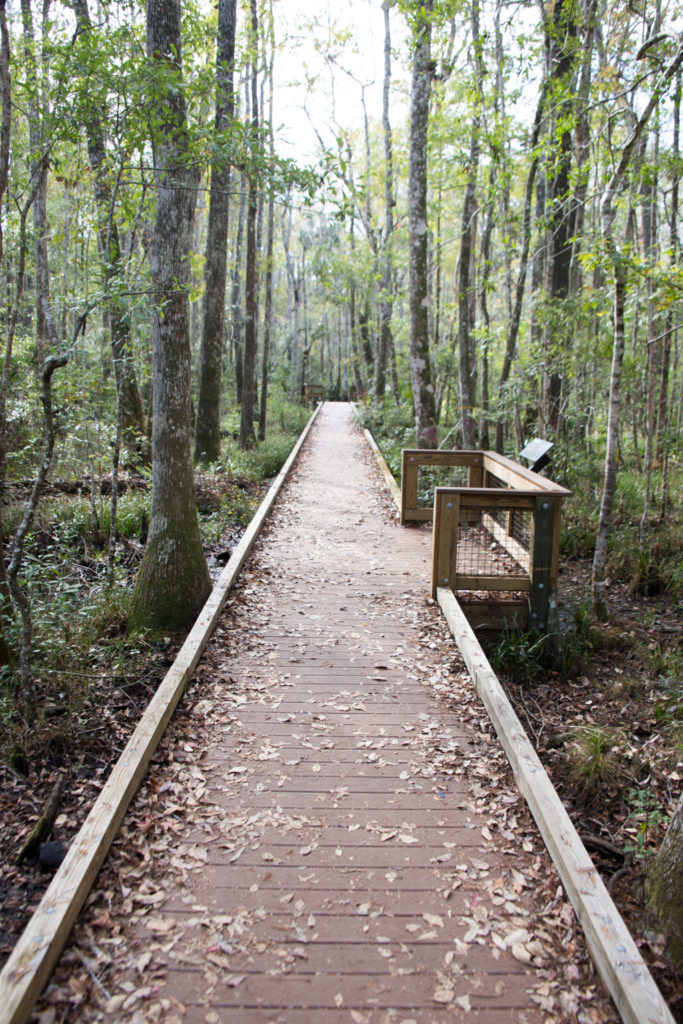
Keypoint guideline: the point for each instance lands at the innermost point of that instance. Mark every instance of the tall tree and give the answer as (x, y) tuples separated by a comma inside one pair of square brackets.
[(562, 55), (247, 438), (131, 413), (173, 580), (420, 366), (35, 82), (467, 362), (619, 272), (270, 240), (207, 433)]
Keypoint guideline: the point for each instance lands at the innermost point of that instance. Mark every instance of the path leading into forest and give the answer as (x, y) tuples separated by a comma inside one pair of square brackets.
[(329, 831)]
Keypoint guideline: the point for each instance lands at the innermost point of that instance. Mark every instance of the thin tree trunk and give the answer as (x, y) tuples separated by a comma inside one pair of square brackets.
[(385, 346), (270, 239), (208, 426), (35, 81), (420, 366), (607, 214), (513, 326), (236, 319), (247, 439), (118, 314), (662, 404)]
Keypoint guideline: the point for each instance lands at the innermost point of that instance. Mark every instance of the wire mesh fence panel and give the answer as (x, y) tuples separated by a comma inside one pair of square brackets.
[(482, 548), (429, 477), (516, 522)]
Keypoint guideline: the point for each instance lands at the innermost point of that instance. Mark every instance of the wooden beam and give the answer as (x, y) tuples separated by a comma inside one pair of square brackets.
[(445, 538), (436, 457), (614, 952), (463, 582), (386, 472), (518, 476), (541, 558), (40, 944)]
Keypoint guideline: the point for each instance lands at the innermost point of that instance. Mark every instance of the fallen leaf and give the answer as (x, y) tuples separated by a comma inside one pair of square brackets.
[(434, 920)]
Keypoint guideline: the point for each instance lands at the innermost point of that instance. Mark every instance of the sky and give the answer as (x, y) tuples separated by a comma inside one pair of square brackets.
[(327, 52)]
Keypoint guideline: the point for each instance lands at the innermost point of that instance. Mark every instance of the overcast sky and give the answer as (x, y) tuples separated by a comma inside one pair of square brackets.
[(325, 52)]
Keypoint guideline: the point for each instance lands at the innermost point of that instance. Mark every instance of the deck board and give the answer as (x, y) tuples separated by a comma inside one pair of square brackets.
[(329, 837)]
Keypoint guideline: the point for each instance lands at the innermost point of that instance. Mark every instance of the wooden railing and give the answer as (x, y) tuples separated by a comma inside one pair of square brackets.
[(314, 393), (500, 532)]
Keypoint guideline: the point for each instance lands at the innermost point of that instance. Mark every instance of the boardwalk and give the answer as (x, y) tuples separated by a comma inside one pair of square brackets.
[(329, 832)]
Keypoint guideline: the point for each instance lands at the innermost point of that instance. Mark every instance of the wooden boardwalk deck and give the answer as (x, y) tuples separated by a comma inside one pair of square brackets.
[(329, 832)]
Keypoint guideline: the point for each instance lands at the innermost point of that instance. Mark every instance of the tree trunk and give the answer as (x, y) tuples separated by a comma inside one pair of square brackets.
[(208, 427), (173, 581), (236, 320), (247, 439), (130, 399), (664, 888), (270, 239), (607, 214), (35, 81), (420, 367), (386, 342), (662, 404), (562, 56), (515, 320)]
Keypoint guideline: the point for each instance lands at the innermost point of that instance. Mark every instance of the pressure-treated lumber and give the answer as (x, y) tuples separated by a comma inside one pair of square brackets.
[(614, 952), (386, 472), (38, 948), (519, 476)]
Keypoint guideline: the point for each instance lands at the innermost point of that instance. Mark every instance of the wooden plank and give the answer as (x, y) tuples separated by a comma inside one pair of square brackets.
[(40, 944), (483, 497), (436, 457), (444, 538), (463, 582), (513, 547), (409, 471), (541, 556), (518, 476), (386, 472), (418, 515), (614, 952)]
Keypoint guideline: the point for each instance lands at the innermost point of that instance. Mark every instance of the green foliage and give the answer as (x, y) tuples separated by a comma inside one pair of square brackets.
[(528, 657), (645, 818), (392, 427)]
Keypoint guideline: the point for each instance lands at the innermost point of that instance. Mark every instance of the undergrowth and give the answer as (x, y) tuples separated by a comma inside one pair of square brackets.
[(81, 652)]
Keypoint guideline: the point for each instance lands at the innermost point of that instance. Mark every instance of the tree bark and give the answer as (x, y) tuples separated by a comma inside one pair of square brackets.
[(664, 887), (247, 438), (35, 81), (270, 240), (208, 425), (515, 320), (385, 345), (607, 214), (111, 259), (420, 367), (173, 580)]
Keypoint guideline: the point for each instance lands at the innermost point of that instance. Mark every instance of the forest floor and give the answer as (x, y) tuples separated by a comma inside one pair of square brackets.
[(616, 713), (611, 738)]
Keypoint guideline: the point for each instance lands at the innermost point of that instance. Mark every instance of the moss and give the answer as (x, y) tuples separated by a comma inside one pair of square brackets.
[(171, 586)]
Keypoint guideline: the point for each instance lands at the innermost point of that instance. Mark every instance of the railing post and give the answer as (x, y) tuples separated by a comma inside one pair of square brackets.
[(445, 538), (541, 562), (409, 471)]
